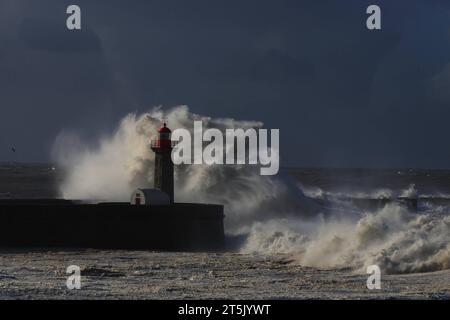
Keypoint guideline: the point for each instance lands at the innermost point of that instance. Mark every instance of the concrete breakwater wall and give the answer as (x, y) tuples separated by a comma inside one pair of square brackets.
[(63, 223)]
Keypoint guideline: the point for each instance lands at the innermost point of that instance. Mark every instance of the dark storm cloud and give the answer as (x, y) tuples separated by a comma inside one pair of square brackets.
[(340, 94), (52, 36), (271, 66)]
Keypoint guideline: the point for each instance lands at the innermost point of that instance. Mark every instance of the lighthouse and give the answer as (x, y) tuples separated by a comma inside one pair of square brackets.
[(163, 161)]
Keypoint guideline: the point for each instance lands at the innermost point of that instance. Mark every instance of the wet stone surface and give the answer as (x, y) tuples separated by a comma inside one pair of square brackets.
[(41, 274)]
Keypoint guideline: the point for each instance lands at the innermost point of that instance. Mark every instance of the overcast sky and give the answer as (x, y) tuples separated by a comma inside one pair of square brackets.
[(340, 94)]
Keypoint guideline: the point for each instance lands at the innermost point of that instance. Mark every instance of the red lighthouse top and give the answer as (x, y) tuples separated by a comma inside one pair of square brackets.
[(164, 141), (164, 129)]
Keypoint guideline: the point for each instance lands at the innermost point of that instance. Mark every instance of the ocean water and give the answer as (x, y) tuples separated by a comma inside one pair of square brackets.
[(291, 245), (313, 217)]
